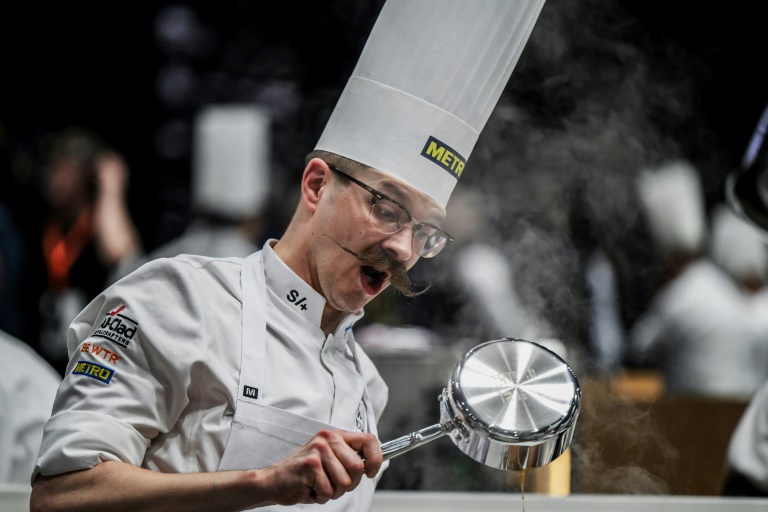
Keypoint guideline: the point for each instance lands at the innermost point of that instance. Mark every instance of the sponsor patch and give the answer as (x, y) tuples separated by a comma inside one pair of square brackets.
[(117, 327), (98, 350), (250, 392), (94, 371), (299, 302), (359, 421), (444, 156)]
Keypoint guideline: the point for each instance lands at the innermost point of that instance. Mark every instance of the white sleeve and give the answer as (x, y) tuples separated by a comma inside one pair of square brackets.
[(27, 390), (748, 447), (131, 350)]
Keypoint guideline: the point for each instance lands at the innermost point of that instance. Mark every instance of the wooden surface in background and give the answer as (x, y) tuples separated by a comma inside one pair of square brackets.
[(633, 437)]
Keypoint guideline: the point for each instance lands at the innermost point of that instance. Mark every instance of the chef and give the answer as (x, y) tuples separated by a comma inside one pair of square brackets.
[(221, 384), (747, 194), (230, 186), (699, 329)]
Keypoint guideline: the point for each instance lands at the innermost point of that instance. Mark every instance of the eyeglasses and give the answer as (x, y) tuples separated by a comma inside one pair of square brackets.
[(388, 216)]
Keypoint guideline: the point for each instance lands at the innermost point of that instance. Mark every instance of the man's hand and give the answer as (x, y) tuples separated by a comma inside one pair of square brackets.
[(111, 175), (117, 239), (325, 468)]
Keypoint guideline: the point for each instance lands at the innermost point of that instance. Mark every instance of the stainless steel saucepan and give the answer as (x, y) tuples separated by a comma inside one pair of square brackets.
[(510, 404)]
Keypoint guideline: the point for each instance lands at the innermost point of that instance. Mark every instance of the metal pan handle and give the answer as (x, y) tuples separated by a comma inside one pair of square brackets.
[(406, 443), (413, 440)]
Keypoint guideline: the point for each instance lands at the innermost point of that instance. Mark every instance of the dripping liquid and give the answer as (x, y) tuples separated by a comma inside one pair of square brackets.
[(522, 487)]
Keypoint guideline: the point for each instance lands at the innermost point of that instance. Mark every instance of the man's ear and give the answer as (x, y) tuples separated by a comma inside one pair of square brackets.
[(316, 177)]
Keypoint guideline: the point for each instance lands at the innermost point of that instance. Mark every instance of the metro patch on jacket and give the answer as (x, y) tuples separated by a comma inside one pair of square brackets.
[(117, 327), (444, 156), (94, 371)]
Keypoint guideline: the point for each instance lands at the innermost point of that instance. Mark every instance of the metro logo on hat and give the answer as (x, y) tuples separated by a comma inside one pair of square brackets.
[(426, 83)]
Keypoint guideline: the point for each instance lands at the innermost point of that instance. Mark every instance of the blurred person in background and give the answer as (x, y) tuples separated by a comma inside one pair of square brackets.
[(747, 196), (29, 383), (13, 246), (698, 330), (27, 390), (13, 259), (607, 334), (738, 249), (747, 456), (230, 187), (486, 276), (204, 383), (87, 231)]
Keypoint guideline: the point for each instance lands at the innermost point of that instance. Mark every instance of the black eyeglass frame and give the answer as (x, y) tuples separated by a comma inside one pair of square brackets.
[(378, 196)]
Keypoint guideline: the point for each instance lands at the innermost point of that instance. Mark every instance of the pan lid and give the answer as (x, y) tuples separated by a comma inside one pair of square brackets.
[(514, 391)]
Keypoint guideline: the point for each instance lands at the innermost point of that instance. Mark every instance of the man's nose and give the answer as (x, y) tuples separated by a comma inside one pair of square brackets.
[(400, 245)]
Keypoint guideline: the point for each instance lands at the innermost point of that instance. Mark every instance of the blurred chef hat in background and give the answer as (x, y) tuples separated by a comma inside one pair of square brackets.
[(231, 160), (672, 198), (737, 247)]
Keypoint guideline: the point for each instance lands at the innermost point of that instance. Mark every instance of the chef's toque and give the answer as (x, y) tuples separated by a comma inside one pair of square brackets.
[(672, 198), (737, 247), (231, 159), (426, 82)]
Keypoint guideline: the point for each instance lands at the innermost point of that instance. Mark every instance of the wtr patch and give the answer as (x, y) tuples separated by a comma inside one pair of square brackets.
[(100, 351), (94, 371)]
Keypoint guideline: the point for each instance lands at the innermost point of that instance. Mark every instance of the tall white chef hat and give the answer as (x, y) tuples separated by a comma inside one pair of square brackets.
[(737, 246), (673, 200), (426, 82), (231, 159)]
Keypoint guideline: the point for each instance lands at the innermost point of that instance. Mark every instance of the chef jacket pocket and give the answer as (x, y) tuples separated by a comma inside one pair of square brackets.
[(261, 436)]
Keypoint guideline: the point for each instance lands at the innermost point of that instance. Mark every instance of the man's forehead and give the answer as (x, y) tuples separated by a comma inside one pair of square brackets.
[(421, 206)]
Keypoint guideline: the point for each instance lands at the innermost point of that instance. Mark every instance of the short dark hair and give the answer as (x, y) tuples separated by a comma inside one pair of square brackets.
[(78, 144), (347, 165)]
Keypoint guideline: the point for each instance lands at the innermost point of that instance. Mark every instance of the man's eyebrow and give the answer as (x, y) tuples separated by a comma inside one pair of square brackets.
[(393, 190)]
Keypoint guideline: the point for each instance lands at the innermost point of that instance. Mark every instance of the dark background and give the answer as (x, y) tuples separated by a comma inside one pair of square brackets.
[(98, 66), (604, 89)]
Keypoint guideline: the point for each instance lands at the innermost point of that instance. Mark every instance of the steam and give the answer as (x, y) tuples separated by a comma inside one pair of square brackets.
[(591, 103), (611, 429), (588, 107)]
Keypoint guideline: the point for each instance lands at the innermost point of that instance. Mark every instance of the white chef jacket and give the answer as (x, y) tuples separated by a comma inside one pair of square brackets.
[(748, 447), (27, 389), (199, 238), (155, 363), (702, 332)]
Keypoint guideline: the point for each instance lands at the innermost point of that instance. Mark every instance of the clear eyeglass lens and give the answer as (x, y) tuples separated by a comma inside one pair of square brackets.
[(428, 241), (389, 218)]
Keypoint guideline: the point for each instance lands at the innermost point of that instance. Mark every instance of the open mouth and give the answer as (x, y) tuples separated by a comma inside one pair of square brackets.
[(374, 277)]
